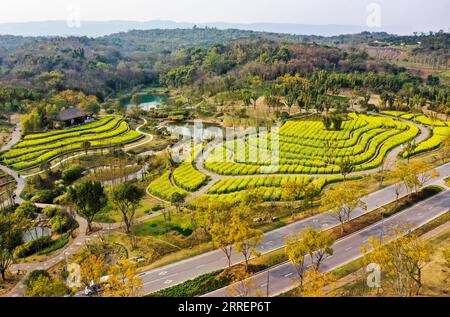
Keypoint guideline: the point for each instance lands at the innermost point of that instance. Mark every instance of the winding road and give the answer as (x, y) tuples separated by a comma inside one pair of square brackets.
[(281, 279), (191, 268), (80, 240), (179, 272)]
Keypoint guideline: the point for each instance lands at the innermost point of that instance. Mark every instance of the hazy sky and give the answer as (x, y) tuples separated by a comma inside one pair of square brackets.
[(424, 14)]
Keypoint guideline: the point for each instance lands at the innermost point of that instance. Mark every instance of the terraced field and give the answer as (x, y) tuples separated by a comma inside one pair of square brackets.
[(188, 178), (303, 148), (306, 147), (163, 188), (233, 190), (35, 149), (440, 131)]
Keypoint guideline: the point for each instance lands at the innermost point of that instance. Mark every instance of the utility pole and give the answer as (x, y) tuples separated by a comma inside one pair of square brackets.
[(268, 281)]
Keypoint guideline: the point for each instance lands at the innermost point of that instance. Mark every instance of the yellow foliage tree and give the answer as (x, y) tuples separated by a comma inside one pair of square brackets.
[(45, 286), (92, 269), (123, 281), (316, 283), (401, 259), (343, 200), (246, 238)]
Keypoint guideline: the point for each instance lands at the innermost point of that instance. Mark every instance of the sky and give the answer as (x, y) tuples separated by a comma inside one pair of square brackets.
[(423, 14)]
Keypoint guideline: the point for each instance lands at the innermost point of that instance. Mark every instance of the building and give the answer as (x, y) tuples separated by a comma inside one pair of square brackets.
[(71, 117)]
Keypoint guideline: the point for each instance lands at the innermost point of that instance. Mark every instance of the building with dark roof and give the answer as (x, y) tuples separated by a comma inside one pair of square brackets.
[(71, 117)]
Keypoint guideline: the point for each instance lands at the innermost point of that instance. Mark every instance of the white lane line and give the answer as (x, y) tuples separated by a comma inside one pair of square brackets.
[(287, 275), (168, 282), (162, 273)]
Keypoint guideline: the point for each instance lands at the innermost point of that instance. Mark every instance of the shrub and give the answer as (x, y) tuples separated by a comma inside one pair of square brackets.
[(34, 275), (63, 222), (32, 247), (45, 196), (72, 174)]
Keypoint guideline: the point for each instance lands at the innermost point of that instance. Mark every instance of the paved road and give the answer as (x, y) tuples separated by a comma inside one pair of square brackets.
[(177, 273), (81, 239), (15, 138), (346, 250)]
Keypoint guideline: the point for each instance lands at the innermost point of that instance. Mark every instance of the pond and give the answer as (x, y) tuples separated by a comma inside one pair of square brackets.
[(199, 131), (147, 102), (37, 232)]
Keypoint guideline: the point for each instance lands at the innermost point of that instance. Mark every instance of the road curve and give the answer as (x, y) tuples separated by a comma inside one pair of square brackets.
[(188, 269), (282, 278)]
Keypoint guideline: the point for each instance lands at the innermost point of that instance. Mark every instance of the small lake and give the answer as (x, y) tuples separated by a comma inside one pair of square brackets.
[(147, 102), (199, 132), (35, 233)]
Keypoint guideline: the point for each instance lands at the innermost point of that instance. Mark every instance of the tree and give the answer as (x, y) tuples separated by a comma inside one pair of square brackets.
[(292, 191), (316, 283), (296, 252), (445, 151), (318, 245), (409, 148), (401, 258), (123, 281), (243, 285), (46, 286), (89, 198), (46, 167), (178, 199), (126, 198), (92, 269), (327, 123), (86, 145), (414, 175), (346, 166), (342, 201), (12, 229), (223, 233), (246, 238), (31, 122), (446, 254)]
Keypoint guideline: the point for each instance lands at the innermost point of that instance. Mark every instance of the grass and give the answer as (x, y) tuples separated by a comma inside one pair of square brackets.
[(8, 285), (57, 244), (110, 215), (198, 286)]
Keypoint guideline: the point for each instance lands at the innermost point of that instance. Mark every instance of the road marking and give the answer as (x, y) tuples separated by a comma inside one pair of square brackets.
[(168, 282), (163, 273), (199, 266), (325, 225), (348, 249), (287, 275)]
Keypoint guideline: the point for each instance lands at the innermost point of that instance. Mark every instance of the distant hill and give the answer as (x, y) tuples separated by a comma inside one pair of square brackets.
[(96, 29)]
